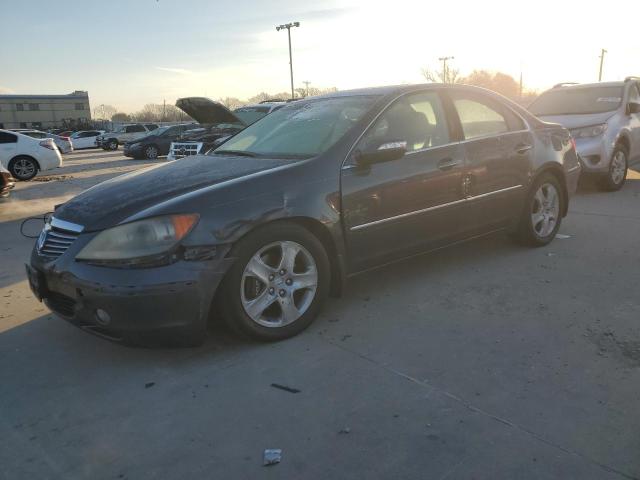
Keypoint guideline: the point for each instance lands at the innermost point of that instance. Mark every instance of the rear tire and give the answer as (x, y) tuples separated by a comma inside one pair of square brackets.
[(112, 144), (542, 215), (614, 179), (23, 168), (283, 304)]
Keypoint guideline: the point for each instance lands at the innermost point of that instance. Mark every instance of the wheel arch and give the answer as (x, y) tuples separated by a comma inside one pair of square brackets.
[(623, 140)]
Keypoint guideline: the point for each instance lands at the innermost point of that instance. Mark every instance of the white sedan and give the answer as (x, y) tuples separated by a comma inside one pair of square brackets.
[(24, 156), (85, 138)]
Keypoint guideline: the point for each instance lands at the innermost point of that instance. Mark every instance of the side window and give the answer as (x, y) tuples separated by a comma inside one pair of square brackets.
[(6, 137), (634, 94), (135, 128), (478, 117), (418, 120)]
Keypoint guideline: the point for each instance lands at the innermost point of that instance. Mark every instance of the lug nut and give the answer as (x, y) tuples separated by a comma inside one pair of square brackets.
[(282, 293), (272, 290), (271, 276), (283, 271), (288, 281)]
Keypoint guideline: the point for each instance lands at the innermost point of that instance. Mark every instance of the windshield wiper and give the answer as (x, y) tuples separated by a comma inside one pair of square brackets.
[(240, 153)]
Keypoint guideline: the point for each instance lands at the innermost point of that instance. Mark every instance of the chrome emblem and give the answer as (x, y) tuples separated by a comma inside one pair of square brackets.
[(43, 236)]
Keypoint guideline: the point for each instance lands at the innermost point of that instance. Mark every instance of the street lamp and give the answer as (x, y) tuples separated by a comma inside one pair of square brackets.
[(288, 26)]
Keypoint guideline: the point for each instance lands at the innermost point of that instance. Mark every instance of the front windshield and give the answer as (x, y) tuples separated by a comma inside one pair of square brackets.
[(577, 101), (250, 115), (301, 129)]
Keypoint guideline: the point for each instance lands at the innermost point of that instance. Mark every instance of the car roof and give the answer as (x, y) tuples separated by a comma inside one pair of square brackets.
[(578, 86)]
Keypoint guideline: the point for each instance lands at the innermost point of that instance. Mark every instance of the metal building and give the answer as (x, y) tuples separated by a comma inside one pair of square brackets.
[(45, 111)]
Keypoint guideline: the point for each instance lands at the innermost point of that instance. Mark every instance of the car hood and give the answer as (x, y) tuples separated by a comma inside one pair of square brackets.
[(206, 111), (577, 121), (115, 200)]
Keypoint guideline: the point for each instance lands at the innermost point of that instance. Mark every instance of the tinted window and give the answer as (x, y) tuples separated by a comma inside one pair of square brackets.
[(577, 101), (134, 129), (151, 126), (6, 137), (417, 120), (478, 117), (634, 94), (301, 129), (36, 134)]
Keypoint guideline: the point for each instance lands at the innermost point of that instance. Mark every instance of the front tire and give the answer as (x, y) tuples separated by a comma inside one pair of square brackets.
[(615, 177), (112, 144), (151, 152), (278, 283), (542, 214), (23, 168)]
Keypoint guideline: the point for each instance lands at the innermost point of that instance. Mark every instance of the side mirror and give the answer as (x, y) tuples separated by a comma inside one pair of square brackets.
[(633, 107), (386, 152)]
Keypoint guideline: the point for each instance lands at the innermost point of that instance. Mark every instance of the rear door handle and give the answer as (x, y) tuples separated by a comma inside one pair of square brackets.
[(523, 148), (447, 164)]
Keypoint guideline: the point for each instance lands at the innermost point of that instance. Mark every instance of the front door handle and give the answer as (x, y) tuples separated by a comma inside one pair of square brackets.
[(447, 164), (523, 148)]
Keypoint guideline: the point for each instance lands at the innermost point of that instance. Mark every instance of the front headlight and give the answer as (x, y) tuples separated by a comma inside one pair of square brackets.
[(587, 132), (138, 243)]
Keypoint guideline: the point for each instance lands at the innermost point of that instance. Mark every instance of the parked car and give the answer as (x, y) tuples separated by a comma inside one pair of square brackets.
[(604, 119), (266, 225), (156, 142), (6, 182), (85, 138), (24, 156), (126, 133), (64, 143), (217, 123)]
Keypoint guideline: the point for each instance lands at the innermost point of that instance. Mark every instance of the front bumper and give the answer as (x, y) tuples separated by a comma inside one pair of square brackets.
[(132, 150), (594, 153), (166, 304)]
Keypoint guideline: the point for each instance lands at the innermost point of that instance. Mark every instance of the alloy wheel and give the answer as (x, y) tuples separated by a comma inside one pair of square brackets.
[(279, 284), (545, 210), (23, 168), (151, 152), (618, 167)]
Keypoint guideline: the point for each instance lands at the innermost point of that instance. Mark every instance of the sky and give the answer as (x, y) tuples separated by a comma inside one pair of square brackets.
[(128, 53)]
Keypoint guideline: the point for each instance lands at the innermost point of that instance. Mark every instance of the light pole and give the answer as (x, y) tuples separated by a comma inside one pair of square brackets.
[(602, 52), (288, 26), (444, 67)]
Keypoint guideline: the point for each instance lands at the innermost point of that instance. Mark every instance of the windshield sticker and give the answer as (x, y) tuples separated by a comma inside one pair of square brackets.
[(609, 99)]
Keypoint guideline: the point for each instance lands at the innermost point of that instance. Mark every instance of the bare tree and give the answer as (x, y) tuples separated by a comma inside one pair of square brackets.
[(496, 81), (440, 76), (104, 112), (120, 117), (231, 102)]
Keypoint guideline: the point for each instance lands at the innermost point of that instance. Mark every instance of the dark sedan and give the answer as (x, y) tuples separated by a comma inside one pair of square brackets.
[(266, 226), (156, 143)]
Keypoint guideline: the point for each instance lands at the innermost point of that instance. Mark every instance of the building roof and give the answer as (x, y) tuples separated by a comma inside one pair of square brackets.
[(79, 94)]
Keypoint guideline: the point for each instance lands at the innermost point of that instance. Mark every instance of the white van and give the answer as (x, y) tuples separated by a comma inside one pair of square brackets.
[(24, 156)]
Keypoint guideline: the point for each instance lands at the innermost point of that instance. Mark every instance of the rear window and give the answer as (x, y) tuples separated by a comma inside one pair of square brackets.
[(577, 101)]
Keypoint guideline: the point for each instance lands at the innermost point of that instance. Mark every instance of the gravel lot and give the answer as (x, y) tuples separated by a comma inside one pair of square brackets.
[(485, 361)]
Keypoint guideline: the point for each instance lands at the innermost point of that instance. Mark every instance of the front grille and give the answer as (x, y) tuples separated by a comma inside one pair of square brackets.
[(61, 304), (56, 237)]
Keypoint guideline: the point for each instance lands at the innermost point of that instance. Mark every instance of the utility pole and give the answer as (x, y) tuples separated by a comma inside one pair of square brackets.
[(288, 26), (306, 84), (445, 73), (602, 52)]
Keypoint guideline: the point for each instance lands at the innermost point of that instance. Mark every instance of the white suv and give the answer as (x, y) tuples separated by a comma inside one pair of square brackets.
[(24, 156)]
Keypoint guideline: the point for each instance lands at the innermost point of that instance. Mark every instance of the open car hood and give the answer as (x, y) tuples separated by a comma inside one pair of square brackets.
[(206, 111)]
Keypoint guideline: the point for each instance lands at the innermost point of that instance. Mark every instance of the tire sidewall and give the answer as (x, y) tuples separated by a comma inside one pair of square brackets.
[(112, 145), (146, 154), (610, 185), (230, 301), (528, 233), (17, 177)]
